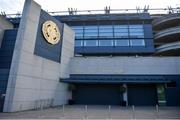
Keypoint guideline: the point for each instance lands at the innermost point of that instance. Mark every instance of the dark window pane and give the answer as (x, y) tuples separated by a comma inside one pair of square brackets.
[(171, 85)]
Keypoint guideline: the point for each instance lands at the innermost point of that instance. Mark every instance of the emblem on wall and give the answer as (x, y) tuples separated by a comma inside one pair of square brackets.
[(51, 32)]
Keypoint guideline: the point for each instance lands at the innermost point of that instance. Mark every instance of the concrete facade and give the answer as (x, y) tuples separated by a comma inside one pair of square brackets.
[(34, 81), (126, 65)]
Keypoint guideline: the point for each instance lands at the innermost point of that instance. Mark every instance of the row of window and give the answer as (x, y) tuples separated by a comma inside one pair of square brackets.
[(120, 31), (124, 42)]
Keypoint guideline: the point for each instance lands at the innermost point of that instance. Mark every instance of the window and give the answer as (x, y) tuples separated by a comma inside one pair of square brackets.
[(121, 31), (78, 43), (136, 31), (78, 31), (90, 43), (137, 42), (105, 42), (90, 31), (105, 31), (124, 42), (135, 26)]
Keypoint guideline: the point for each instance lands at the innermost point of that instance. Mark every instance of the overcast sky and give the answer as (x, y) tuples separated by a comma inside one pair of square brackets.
[(14, 6)]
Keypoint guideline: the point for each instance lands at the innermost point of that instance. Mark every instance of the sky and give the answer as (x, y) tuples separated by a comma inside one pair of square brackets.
[(15, 6)]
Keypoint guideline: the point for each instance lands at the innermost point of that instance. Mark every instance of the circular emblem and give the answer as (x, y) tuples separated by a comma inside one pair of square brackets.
[(51, 32)]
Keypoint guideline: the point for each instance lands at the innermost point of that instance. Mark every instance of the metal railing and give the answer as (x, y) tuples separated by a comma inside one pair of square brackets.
[(168, 46), (86, 112), (169, 31), (98, 112), (166, 18), (72, 11)]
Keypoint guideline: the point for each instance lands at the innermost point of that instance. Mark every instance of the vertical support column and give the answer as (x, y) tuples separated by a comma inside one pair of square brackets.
[(67, 52)]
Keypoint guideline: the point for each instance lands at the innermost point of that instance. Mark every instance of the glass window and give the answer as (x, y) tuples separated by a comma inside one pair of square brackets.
[(90, 43), (137, 42), (78, 43), (135, 26), (121, 31), (136, 35), (120, 26), (78, 31), (124, 42), (106, 34), (90, 31), (136, 31), (77, 27), (90, 34), (121, 34), (91, 27), (78, 35), (105, 31), (105, 42)]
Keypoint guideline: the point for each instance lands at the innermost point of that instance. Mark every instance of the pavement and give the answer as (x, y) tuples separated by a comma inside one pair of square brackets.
[(96, 112)]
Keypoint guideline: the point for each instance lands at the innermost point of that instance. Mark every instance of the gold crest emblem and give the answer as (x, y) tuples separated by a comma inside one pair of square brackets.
[(51, 32)]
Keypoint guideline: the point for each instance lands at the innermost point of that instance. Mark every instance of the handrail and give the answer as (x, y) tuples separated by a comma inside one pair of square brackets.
[(168, 46), (166, 18), (167, 32)]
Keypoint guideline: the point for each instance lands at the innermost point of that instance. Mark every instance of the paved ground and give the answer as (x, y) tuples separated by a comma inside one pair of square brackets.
[(97, 112)]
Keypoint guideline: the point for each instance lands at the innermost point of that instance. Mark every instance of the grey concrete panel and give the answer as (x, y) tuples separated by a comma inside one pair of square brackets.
[(34, 80), (125, 65)]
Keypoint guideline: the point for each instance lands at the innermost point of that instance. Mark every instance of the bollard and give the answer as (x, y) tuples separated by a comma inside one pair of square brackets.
[(40, 104), (35, 105), (133, 112), (41, 108), (157, 111), (86, 108), (109, 111)]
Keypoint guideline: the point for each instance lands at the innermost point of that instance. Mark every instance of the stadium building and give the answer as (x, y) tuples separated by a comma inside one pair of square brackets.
[(89, 59)]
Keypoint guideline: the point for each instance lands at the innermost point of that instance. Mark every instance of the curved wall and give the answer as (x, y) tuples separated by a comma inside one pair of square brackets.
[(167, 35)]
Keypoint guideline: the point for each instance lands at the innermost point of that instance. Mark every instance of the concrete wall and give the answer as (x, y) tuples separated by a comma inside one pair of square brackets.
[(4, 24), (34, 81), (125, 65)]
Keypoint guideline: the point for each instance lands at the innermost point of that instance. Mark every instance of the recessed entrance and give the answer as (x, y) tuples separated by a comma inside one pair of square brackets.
[(91, 94), (142, 95)]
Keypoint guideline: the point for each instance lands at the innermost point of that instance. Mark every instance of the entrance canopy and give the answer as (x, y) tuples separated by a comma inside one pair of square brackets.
[(111, 79)]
